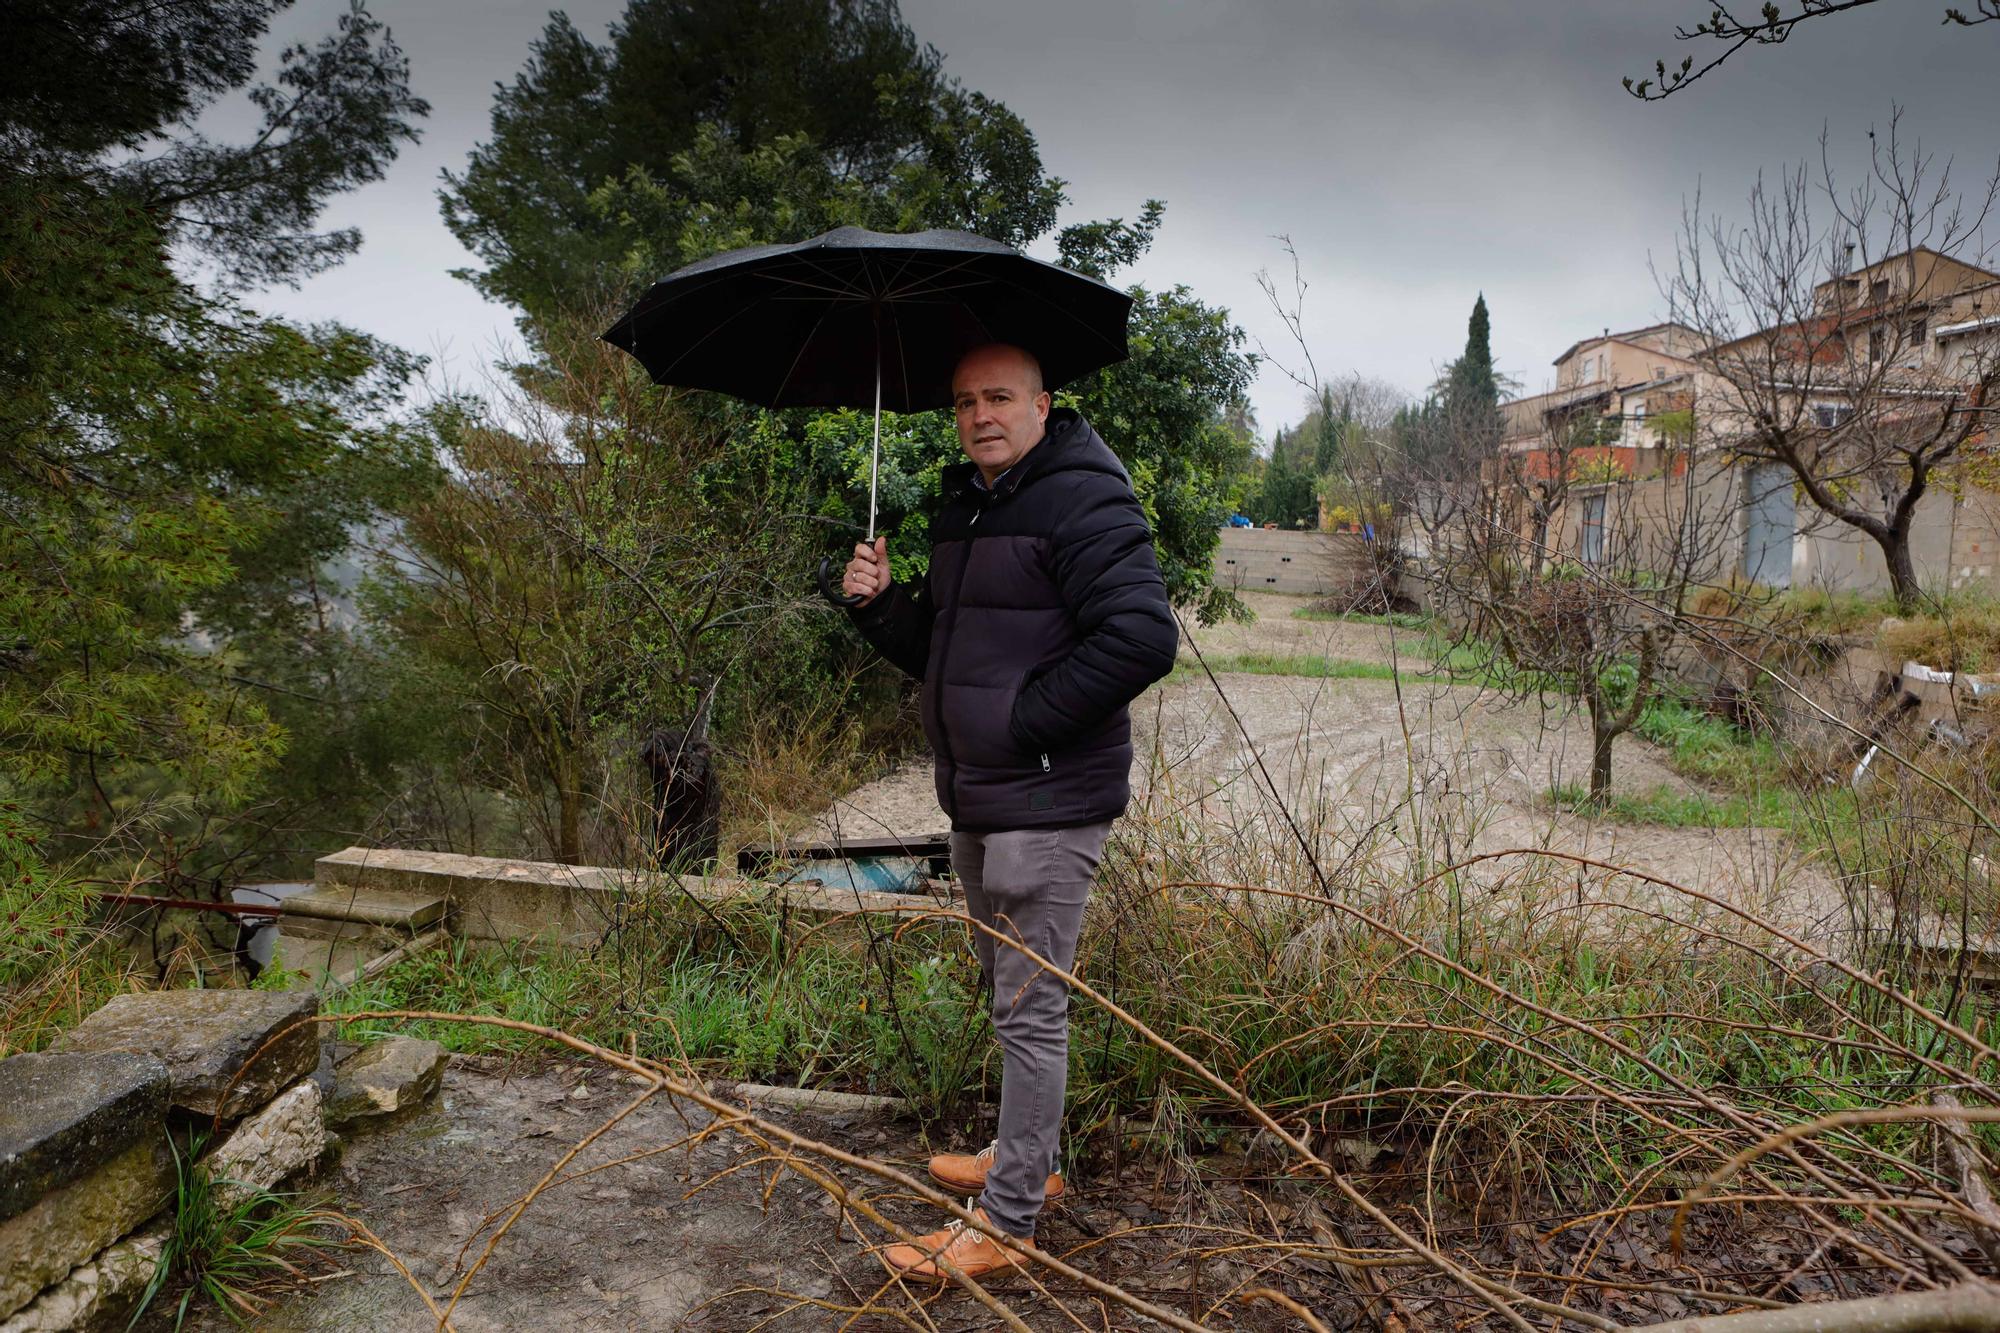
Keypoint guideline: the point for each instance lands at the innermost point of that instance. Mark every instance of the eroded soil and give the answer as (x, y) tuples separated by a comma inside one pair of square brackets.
[(1420, 768)]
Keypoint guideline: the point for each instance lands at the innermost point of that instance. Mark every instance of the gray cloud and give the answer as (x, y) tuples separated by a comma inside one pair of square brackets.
[(1417, 152)]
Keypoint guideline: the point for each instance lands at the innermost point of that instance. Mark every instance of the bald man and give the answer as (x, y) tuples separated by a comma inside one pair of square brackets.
[(1042, 617)]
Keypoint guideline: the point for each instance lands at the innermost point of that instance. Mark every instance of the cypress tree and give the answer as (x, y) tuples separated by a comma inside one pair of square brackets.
[(1471, 389)]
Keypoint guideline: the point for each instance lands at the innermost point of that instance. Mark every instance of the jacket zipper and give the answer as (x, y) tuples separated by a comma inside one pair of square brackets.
[(944, 660), (1045, 763)]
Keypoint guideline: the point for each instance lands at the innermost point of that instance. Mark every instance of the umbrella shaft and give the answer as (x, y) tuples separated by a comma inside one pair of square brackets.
[(875, 455)]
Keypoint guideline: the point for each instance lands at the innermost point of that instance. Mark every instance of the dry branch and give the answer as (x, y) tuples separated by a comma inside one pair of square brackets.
[(1971, 1307)]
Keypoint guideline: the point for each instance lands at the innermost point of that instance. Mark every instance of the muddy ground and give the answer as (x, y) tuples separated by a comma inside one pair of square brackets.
[(1349, 753)]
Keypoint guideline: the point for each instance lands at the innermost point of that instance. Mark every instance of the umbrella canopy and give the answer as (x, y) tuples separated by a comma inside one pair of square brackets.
[(856, 318)]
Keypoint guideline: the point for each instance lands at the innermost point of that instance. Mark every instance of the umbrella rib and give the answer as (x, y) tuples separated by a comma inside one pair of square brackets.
[(849, 293), (832, 275), (1063, 309), (901, 269), (933, 276)]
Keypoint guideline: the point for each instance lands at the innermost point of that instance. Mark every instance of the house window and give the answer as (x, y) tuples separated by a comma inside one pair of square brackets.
[(1878, 290), (1590, 540), (1828, 416), (1919, 330), (1878, 343)]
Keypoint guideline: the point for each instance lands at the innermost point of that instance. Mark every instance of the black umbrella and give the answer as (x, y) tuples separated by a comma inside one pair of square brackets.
[(858, 317)]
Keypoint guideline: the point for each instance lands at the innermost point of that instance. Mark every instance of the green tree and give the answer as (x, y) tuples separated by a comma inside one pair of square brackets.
[(700, 126), (600, 558), (1469, 393), (173, 468)]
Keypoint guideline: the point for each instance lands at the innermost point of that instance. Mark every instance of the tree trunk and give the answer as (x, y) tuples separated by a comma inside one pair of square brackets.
[(569, 806), (1603, 731), (1600, 764), (1902, 569)]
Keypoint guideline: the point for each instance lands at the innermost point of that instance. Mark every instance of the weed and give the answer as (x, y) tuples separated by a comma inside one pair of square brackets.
[(231, 1243), (1961, 635), (1709, 748)]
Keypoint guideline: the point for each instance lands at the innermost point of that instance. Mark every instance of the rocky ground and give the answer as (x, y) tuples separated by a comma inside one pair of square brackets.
[(672, 1235), (696, 1237)]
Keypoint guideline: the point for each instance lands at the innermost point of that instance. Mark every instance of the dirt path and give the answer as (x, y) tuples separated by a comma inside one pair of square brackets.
[(635, 1247), (1349, 752)]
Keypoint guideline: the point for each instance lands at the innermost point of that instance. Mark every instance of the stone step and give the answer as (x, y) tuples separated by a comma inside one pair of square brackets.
[(407, 913)]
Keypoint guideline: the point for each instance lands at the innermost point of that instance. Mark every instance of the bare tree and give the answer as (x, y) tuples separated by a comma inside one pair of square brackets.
[(1568, 583), (1855, 331), (1770, 27)]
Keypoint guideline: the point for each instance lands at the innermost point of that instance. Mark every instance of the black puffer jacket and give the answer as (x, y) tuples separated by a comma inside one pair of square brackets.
[(1042, 617)]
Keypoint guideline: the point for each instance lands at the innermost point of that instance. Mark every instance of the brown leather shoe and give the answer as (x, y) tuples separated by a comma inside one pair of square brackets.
[(964, 1173), (971, 1252)]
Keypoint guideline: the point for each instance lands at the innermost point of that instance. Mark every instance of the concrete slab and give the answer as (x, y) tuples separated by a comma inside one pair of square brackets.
[(406, 912), (494, 898), (205, 1038)]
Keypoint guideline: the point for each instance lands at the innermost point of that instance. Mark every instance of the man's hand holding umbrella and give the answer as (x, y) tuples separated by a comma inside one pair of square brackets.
[(867, 573)]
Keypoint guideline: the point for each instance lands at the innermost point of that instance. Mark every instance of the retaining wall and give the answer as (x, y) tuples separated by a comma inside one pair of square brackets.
[(1314, 564)]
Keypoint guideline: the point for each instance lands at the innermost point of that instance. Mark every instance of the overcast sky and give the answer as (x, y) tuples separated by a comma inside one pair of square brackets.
[(1416, 151)]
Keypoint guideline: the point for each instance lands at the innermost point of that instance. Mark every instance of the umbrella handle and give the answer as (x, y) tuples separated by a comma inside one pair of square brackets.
[(830, 589)]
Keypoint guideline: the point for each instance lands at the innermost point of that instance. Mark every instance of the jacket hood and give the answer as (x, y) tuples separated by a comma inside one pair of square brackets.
[(1068, 444)]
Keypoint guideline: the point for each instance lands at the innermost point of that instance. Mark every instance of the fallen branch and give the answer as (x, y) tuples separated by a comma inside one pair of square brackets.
[(1970, 1307), (1971, 1176)]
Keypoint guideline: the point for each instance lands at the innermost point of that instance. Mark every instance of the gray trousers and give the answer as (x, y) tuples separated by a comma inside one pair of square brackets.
[(1030, 885)]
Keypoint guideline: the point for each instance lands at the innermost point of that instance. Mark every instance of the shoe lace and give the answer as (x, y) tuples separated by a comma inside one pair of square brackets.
[(986, 1155)]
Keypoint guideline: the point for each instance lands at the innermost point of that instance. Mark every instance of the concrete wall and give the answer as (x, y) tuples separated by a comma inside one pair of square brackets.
[(493, 898), (1308, 563), (1955, 542)]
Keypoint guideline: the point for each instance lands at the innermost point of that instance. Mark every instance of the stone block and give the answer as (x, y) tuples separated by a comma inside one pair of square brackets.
[(98, 1292), (279, 1141), (64, 1115), (391, 1075), (204, 1038), (65, 1227)]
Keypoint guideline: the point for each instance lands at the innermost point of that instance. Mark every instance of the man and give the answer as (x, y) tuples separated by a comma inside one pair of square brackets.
[(1043, 615)]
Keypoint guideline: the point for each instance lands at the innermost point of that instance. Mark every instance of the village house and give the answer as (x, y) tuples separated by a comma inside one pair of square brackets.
[(1649, 431)]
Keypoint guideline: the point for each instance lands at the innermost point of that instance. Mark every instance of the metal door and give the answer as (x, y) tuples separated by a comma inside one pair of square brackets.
[(1770, 514)]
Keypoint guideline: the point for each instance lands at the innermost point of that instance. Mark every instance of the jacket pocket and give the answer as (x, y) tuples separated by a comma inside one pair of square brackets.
[(981, 722)]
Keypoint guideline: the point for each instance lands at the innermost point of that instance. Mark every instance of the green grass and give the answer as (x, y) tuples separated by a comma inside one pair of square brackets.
[(234, 1247), (1705, 747), (1396, 619), (753, 1010), (1685, 809), (1284, 664)]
